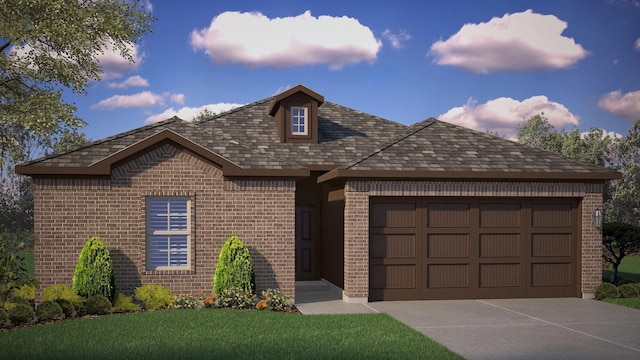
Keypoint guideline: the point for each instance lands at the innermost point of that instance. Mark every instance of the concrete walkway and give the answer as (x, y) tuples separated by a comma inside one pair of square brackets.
[(566, 328)]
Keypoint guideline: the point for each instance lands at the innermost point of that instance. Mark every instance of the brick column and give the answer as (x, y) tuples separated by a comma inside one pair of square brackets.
[(356, 247), (591, 245)]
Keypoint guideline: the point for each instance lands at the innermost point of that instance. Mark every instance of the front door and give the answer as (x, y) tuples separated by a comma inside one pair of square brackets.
[(307, 267)]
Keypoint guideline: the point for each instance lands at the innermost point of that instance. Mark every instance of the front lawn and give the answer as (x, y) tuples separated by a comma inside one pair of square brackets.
[(222, 334), (629, 269)]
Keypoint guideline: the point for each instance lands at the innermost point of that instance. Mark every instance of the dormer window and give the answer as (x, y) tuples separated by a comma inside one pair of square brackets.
[(299, 120)]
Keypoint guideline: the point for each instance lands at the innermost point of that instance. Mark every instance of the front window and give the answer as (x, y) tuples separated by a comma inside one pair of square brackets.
[(168, 233), (299, 121)]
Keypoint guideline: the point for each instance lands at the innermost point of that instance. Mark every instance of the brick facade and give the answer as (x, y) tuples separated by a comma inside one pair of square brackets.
[(70, 210), (356, 212)]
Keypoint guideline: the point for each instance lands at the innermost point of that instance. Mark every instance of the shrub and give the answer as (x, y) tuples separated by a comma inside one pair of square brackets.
[(124, 303), (21, 314), (234, 268), (67, 307), (98, 305), (4, 318), (13, 270), (235, 299), (607, 291), (49, 310), (55, 292), (94, 273), (154, 296), (185, 301), (628, 291), (275, 298), (27, 292), (13, 301)]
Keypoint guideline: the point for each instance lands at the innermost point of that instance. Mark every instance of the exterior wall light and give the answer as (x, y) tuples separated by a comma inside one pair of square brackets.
[(596, 219)]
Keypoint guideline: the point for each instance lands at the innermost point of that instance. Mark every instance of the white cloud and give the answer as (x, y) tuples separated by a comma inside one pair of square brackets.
[(142, 99), (396, 40), (114, 65), (133, 81), (253, 39), (504, 115), (188, 113), (514, 42), (625, 106), (637, 45)]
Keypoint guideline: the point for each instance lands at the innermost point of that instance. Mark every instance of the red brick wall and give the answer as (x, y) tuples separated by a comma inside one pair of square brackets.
[(260, 212), (356, 236)]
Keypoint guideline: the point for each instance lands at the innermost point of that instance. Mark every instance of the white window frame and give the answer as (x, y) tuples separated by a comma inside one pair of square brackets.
[(295, 120), (167, 232)]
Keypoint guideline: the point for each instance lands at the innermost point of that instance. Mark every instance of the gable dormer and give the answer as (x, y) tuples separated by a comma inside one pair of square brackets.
[(296, 114)]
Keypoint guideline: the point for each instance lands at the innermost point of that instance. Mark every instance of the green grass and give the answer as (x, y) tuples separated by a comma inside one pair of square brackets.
[(632, 303), (28, 260), (222, 334), (629, 269)]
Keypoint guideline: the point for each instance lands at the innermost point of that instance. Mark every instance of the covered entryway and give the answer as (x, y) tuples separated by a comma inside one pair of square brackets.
[(472, 248)]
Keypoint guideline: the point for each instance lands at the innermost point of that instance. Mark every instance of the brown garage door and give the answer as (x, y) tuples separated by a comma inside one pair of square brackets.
[(473, 248)]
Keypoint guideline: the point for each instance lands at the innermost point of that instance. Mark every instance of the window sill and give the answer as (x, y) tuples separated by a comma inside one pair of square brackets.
[(170, 272)]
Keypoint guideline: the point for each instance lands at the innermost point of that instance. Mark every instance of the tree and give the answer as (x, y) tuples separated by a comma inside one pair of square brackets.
[(46, 46), (94, 272), (619, 240), (234, 269), (13, 271), (624, 205)]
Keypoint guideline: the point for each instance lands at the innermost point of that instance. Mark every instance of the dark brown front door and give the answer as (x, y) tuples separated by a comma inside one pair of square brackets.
[(307, 266)]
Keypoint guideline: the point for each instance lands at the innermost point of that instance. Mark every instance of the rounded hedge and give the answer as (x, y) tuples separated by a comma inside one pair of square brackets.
[(607, 291), (97, 305), (94, 273), (21, 314), (49, 310), (628, 291), (67, 307), (234, 269), (55, 292), (4, 317), (154, 296)]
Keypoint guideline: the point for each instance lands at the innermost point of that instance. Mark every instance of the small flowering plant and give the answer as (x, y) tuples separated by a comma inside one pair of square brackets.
[(185, 301)]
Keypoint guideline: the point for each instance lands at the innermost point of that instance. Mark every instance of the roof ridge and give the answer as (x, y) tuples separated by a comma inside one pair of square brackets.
[(104, 140), (413, 129)]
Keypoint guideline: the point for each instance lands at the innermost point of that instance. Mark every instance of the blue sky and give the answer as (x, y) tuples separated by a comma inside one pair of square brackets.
[(486, 65)]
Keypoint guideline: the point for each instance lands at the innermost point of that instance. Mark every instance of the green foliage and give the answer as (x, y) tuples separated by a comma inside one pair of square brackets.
[(235, 298), (607, 291), (619, 240), (186, 301), (13, 270), (21, 314), (154, 296), (124, 303), (55, 292), (97, 305), (94, 274), (628, 291), (234, 268), (49, 310), (67, 307), (4, 318), (275, 298), (13, 301), (26, 292)]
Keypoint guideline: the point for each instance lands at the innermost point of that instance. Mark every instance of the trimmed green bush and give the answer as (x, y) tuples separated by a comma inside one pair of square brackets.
[(97, 305), (628, 291), (49, 310), (21, 314), (607, 291), (154, 296), (13, 301), (26, 292), (4, 318), (124, 303), (94, 273), (67, 307), (234, 268), (55, 292)]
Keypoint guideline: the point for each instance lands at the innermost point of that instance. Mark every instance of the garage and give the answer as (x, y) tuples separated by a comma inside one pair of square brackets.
[(473, 248)]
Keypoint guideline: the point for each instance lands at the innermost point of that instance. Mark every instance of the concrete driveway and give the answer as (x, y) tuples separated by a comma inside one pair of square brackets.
[(564, 328)]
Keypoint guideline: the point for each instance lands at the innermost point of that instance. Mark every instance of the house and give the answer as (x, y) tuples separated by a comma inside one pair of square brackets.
[(320, 191)]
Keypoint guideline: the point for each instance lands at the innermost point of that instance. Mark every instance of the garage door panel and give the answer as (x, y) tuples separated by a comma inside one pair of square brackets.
[(500, 215), (551, 215), (448, 245), (393, 276), (500, 275), (499, 245), (448, 215), (447, 276), (551, 245), (393, 246), (551, 274), (394, 215)]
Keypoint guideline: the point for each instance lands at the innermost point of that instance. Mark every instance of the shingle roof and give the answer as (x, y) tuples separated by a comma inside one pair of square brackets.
[(350, 143)]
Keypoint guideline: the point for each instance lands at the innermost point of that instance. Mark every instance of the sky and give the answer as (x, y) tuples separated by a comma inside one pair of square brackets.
[(486, 65)]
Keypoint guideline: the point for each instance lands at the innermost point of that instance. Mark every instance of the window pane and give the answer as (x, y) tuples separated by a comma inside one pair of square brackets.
[(178, 259), (158, 206), (158, 222), (179, 242), (178, 206), (178, 222)]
